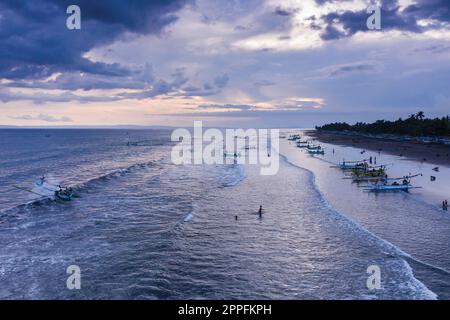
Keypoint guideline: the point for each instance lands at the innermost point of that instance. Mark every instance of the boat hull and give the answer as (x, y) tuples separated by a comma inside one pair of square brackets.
[(382, 188), (63, 197)]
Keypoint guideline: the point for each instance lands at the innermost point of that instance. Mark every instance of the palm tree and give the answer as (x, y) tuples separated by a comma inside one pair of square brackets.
[(420, 115)]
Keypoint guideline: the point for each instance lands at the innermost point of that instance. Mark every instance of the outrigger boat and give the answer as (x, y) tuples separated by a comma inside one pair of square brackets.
[(316, 151), (302, 144), (368, 173), (383, 185), (311, 147), (231, 154), (65, 194), (354, 165), (61, 193), (294, 137)]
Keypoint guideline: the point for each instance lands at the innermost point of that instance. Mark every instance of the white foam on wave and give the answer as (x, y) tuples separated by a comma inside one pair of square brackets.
[(188, 217), (234, 176), (391, 248)]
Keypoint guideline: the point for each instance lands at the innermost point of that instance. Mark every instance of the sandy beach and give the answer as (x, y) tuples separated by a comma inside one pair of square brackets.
[(427, 152)]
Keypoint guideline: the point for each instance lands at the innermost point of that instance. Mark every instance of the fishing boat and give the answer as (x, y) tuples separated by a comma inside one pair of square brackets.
[(384, 185), (65, 194), (294, 137), (58, 192), (231, 154), (405, 186), (311, 147), (354, 165), (302, 144), (316, 151), (368, 173)]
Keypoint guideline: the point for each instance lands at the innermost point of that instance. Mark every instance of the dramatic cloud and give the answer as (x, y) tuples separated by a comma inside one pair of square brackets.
[(35, 42), (392, 18), (270, 62)]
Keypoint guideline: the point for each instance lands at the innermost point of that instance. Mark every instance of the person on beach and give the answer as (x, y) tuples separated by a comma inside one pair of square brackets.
[(445, 205)]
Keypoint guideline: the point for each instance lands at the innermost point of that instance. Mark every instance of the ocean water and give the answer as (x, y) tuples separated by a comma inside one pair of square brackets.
[(144, 228)]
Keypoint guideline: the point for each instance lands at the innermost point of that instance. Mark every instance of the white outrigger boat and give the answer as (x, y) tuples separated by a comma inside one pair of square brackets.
[(57, 192), (294, 137), (312, 152), (302, 144), (383, 185)]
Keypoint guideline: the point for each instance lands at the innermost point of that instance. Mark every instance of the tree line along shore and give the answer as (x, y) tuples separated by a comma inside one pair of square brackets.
[(415, 127)]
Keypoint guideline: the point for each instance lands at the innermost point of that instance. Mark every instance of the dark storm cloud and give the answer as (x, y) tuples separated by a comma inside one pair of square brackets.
[(35, 43), (77, 80), (391, 18), (430, 9)]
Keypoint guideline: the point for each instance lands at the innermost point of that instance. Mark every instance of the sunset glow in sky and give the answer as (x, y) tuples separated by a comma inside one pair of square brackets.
[(272, 63)]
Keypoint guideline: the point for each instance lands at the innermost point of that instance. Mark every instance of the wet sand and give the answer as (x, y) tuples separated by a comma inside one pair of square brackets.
[(427, 152)]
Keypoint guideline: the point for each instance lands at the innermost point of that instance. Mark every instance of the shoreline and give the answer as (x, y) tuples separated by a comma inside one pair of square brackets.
[(438, 154)]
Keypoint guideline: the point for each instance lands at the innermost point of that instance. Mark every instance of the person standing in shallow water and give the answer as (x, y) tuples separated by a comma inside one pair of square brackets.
[(445, 205), (260, 211)]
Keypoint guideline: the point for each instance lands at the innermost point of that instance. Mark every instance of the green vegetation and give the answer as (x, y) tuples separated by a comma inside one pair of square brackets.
[(415, 125)]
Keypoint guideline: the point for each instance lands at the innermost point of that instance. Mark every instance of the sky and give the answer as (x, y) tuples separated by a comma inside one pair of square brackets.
[(248, 63)]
